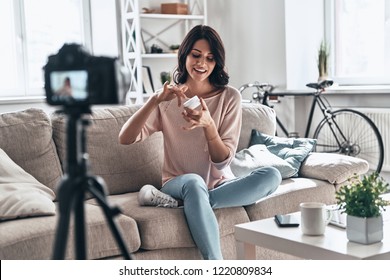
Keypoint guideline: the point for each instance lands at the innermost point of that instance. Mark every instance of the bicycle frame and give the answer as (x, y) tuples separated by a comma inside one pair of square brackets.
[(316, 101)]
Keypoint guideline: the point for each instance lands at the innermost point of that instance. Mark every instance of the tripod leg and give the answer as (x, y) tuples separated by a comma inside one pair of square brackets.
[(65, 207), (80, 240), (97, 188)]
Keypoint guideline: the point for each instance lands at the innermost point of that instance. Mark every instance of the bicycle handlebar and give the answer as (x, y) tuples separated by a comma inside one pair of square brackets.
[(266, 88)]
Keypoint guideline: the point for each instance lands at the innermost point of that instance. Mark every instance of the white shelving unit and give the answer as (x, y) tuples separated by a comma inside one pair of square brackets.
[(141, 30)]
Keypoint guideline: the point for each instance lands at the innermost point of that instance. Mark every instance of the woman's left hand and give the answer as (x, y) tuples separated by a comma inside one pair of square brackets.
[(197, 118)]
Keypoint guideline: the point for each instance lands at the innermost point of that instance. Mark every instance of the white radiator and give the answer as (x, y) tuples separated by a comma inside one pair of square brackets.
[(381, 118)]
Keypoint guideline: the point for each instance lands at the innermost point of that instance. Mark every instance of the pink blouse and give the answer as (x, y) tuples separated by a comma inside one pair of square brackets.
[(187, 151)]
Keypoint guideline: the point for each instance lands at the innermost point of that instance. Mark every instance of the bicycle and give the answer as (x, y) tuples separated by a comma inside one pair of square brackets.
[(342, 131)]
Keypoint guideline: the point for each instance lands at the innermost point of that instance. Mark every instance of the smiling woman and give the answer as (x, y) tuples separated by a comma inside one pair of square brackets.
[(199, 143), (30, 32)]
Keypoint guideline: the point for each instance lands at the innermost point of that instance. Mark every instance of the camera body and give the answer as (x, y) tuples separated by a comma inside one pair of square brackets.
[(75, 78)]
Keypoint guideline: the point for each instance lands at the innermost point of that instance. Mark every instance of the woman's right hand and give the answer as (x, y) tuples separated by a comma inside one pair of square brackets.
[(133, 126), (170, 92)]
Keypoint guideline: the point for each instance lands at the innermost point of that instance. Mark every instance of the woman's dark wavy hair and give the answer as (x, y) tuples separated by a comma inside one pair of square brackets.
[(219, 77)]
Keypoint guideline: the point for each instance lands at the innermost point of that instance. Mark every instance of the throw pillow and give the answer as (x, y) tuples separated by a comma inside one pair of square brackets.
[(334, 168), (21, 195), (256, 156), (292, 150)]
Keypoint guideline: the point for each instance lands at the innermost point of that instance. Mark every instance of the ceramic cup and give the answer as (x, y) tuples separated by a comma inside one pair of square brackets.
[(314, 218)]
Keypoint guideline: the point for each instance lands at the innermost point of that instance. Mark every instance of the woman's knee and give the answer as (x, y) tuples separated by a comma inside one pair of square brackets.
[(270, 175), (194, 185), (274, 173)]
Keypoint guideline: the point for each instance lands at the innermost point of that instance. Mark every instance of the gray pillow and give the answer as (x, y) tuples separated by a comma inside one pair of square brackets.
[(21, 195), (256, 156), (292, 150)]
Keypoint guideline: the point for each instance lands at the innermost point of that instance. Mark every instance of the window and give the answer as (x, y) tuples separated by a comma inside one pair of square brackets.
[(359, 36), (30, 32)]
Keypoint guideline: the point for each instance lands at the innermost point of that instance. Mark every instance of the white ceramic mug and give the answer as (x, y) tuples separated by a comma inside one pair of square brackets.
[(314, 218)]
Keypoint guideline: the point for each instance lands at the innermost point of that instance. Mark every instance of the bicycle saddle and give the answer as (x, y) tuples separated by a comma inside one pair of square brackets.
[(320, 85)]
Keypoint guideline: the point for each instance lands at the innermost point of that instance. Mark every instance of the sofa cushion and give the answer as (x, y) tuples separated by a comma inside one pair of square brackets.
[(289, 195), (334, 168), (124, 168), (21, 195), (162, 228), (26, 137), (256, 156), (292, 150), (30, 239), (255, 116)]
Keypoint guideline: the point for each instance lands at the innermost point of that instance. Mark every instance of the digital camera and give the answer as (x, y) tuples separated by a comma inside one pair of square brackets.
[(73, 77)]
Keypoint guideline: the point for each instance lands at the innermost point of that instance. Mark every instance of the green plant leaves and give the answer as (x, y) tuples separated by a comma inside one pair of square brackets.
[(361, 198)]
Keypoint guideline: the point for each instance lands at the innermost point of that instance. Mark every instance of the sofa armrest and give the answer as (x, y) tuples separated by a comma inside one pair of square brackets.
[(334, 168)]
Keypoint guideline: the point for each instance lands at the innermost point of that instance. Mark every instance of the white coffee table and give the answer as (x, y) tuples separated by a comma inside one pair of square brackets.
[(332, 245)]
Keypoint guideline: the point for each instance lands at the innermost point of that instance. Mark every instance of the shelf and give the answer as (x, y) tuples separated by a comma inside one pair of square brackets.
[(134, 94), (171, 16), (159, 55), (136, 98), (129, 15), (132, 55), (156, 28)]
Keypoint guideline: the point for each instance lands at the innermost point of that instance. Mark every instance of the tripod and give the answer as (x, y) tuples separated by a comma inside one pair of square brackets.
[(74, 185)]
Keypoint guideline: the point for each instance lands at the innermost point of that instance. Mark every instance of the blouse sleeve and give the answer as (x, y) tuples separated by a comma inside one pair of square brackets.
[(229, 127), (152, 125)]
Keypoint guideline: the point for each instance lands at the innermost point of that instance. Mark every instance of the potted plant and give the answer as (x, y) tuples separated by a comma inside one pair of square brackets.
[(323, 61), (165, 77), (174, 48), (361, 200)]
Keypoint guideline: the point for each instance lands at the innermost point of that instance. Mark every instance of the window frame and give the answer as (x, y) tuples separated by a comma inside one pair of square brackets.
[(330, 37), (23, 90)]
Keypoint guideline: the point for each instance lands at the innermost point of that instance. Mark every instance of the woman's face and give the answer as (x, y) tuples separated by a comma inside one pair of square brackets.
[(200, 61)]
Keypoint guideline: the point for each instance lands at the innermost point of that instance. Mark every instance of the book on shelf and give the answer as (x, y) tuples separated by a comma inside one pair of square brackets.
[(147, 80)]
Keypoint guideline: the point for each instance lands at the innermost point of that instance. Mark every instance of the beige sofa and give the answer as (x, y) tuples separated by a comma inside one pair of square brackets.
[(35, 141)]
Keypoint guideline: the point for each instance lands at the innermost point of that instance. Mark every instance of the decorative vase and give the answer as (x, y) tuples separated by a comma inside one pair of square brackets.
[(364, 230)]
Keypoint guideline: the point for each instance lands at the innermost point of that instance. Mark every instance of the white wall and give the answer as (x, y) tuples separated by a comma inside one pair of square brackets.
[(104, 28), (273, 41), (253, 33), (304, 21)]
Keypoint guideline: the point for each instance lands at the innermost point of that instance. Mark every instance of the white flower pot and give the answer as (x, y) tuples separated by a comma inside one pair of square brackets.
[(364, 230)]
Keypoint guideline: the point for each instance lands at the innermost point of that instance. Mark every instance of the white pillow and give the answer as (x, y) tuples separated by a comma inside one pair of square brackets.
[(21, 195), (334, 168), (256, 156)]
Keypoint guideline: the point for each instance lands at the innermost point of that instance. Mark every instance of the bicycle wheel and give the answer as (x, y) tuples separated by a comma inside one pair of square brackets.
[(352, 133)]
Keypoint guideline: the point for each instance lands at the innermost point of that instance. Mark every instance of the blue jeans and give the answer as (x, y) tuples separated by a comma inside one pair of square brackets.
[(199, 202)]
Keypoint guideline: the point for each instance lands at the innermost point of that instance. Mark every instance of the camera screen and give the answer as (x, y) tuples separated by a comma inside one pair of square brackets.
[(69, 84)]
